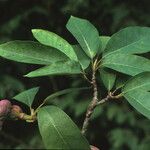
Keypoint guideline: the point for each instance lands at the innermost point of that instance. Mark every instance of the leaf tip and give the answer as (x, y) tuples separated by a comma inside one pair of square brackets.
[(27, 75), (72, 16), (33, 30)]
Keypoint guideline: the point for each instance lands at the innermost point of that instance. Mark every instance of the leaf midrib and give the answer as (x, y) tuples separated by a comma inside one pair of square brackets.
[(140, 103), (27, 56), (114, 51), (132, 89), (57, 130), (65, 44), (122, 65), (87, 45)]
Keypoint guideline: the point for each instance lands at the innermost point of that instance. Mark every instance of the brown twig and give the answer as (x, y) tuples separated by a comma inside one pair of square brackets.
[(92, 105)]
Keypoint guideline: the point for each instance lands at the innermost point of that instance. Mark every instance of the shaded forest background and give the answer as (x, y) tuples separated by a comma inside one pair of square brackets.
[(115, 125)]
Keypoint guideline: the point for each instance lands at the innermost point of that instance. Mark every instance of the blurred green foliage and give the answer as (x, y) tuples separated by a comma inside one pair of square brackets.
[(115, 125)]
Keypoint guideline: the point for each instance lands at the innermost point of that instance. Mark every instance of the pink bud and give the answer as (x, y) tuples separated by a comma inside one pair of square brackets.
[(94, 148), (5, 107)]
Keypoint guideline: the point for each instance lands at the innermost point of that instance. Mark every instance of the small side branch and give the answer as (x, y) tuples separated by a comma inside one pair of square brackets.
[(103, 100), (94, 103)]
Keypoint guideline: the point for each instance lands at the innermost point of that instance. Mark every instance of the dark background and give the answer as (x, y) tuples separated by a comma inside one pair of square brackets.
[(115, 125)]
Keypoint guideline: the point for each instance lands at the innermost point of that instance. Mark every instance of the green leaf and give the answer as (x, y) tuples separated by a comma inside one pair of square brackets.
[(127, 64), (104, 41), (62, 92), (27, 96), (30, 52), (137, 92), (82, 57), (53, 40), (131, 40), (86, 34), (58, 131), (108, 78), (59, 68)]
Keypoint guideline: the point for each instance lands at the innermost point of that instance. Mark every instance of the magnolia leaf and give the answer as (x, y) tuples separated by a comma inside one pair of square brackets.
[(30, 52), (108, 78), (104, 41), (131, 40), (58, 131), (137, 92), (86, 34), (53, 40), (59, 68), (82, 57), (127, 64), (27, 96)]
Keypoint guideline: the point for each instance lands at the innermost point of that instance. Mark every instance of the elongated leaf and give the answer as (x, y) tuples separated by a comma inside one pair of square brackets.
[(86, 34), (130, 40), (82, 57), (30, 52), (108, 78), (58, 68), (140, 81), (127, 64), (27, 96), (62, 92), (53, 40), (104, 41), (58, 131), (137, 92)]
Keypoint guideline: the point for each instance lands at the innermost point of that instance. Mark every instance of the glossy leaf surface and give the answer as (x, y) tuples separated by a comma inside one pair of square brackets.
[(59, 68), (51, 39), (30, 52), (58, 131), (137, 92), (127, 64), (130, 40), (27, 97), (86, 34)]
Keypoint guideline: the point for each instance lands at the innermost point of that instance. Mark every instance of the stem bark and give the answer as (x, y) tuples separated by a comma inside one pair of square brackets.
[(92, 105)]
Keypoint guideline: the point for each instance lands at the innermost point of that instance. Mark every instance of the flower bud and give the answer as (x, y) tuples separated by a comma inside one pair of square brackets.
[(16, 111), (5, 107), (94, 148)]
